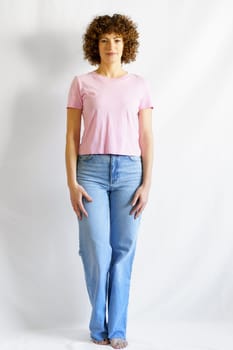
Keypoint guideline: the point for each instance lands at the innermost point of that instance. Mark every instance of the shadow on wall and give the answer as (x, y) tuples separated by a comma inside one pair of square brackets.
[(39, 242)]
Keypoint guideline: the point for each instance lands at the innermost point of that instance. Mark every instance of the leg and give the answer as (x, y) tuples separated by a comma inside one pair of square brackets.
[(124, 230), (95, 251)]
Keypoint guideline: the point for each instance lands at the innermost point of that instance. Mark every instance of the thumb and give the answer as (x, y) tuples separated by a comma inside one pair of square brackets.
[(86, 195), (134, 200)]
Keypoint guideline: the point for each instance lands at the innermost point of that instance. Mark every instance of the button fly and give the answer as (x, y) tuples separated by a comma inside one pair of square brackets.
[(113, 169)]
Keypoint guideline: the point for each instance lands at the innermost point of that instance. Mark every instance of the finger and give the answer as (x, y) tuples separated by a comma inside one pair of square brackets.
[(82, 209), (75, 207), (77, 211), (139, 207), (135, 199), (132, 211), (135, 209), (86, 195), (139, 212), (137, 204), (79, 214), (136, 215)]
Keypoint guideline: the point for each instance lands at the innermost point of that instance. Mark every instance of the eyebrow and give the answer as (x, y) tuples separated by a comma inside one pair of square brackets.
[(117, 36)]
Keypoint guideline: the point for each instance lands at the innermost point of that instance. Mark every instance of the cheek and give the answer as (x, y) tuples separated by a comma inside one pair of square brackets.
[(100, 49)]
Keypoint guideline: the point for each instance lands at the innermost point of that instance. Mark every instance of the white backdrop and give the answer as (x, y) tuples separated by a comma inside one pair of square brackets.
[(183, 268)]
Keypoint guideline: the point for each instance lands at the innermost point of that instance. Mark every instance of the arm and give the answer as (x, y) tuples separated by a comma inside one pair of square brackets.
[(146, 144), (73, 127), (71, 153)]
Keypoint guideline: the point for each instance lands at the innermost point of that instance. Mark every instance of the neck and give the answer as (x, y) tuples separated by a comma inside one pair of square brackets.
[(111, 70)]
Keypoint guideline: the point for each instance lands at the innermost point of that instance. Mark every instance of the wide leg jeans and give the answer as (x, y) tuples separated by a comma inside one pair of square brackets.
[(107, 238)]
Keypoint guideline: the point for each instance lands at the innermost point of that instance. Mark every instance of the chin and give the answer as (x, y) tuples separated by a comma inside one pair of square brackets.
[(112, 59)]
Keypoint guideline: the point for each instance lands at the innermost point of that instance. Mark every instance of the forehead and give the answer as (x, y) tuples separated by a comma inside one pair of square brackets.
[(110, 35)]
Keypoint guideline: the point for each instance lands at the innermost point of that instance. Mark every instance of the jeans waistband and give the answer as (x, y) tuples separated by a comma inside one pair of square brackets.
[(109, 156)]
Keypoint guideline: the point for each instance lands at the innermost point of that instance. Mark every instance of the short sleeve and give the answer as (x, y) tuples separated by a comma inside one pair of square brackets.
[(74, 99), (146, 101)]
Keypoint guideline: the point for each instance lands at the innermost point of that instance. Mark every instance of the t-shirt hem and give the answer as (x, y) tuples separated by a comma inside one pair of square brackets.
[(76, 107), (110, 153)]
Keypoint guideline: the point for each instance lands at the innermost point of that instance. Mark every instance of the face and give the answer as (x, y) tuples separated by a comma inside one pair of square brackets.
[(110, 48)]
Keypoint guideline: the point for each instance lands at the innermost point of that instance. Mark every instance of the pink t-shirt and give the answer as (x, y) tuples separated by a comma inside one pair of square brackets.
[(110, 109)]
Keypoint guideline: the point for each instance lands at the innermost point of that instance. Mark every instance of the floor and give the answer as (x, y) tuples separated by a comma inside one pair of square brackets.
[(156, 336)]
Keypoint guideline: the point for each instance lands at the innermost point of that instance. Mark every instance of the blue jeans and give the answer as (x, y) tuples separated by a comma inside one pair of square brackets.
[(107, 238)]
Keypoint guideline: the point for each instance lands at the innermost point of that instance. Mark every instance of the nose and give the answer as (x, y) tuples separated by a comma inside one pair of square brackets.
[(110, 44)]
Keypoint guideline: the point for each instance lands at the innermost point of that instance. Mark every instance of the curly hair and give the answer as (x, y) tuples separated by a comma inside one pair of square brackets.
[(119, 24)]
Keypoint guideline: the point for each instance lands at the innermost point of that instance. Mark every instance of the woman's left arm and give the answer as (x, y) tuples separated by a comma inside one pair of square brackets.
[(146, 144)]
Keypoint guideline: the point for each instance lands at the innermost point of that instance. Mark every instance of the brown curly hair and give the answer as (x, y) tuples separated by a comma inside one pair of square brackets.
[(119, 24)]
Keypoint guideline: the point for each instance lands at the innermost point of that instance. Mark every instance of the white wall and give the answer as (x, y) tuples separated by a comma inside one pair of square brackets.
[(184, 261)]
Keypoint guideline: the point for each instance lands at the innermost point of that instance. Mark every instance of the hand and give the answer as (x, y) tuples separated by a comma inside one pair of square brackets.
[(76, 196), (139, 201)]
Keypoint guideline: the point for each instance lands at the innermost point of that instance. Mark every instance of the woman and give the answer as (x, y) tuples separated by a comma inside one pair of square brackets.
[(109, 171)]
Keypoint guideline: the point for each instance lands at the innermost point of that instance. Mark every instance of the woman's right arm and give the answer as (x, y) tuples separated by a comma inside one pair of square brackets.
[(71, 153)]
